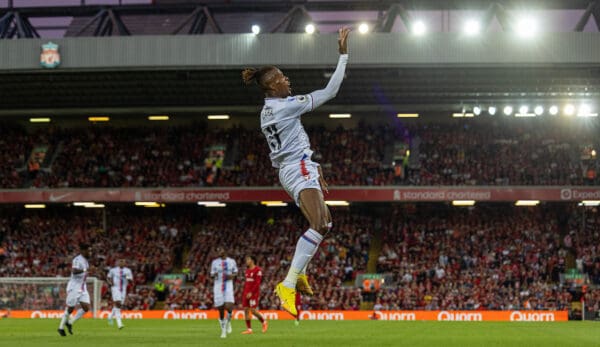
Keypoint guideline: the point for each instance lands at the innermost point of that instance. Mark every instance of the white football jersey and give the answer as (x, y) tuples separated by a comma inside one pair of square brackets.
[(120, 277), (221, 267), (77, 281), (280, 120)]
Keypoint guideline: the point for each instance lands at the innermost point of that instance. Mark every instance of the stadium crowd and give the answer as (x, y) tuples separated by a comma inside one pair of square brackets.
[(271, 239), (457, 153), (441, 257), (483, 258), (43, 244)]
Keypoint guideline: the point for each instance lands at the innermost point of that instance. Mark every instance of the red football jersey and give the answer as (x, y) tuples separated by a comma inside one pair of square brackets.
[(253, 280)]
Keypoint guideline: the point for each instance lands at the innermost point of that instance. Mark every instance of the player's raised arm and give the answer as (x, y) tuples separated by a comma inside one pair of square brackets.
[(319, 97)]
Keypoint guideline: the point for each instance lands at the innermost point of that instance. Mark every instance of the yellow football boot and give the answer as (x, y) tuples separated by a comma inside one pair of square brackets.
[(303, 286), (287, 296)]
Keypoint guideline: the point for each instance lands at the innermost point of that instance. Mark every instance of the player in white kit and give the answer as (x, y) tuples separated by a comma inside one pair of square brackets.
[(223, 270), (290, 152), (77, 292), (118, 278)]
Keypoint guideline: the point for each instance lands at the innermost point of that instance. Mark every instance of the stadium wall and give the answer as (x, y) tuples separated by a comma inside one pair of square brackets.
[(226, 51), (467, 316)]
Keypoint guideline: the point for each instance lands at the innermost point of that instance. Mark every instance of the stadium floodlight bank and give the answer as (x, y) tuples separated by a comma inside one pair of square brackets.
[(51, 289)]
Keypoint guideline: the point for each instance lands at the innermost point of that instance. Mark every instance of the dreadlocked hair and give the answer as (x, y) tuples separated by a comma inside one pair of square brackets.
[(249, 75)]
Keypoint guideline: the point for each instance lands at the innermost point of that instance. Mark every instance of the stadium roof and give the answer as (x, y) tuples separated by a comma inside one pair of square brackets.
[(382, 88), (57, 18)]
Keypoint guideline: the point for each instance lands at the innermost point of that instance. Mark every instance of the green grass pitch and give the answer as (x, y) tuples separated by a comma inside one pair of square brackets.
[(88, 333)]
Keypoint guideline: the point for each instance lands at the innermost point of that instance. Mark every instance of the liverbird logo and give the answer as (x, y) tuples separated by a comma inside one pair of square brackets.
[(50, 58)]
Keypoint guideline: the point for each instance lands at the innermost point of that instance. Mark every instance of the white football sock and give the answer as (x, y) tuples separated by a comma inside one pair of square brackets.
[(306, 247), (303, 272), (63, 320), (229, 314), (78, 315), (118, 315), (112, 314)]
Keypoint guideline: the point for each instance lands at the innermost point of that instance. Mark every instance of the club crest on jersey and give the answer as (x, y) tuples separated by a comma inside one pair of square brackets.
[(50, 58), (266, 113)]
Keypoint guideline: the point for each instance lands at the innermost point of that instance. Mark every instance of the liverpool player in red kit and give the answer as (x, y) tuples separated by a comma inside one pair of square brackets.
[(251, 294)]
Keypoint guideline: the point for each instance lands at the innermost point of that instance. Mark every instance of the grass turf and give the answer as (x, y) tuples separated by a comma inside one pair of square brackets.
[(88, 333)]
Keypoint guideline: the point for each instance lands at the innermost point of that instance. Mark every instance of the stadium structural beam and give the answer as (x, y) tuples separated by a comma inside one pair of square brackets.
[(389, 19), (586, 16), (192, 17), (488, 17), (596, 14), (117, 22), (90, 22), (13, 24), (288, 18), (198, 24), (98, 16), (27, 27), (108, 20), (101, 23), (211, 20), (404, 16), (199, 18), (282, 6), (298, 20), (5, 23), (503, 16)]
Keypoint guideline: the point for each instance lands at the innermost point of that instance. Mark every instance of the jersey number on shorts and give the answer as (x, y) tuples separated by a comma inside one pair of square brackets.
[(273, 138)]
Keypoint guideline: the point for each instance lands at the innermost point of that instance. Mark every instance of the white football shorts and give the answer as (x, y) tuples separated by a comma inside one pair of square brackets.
[(75, 296), (118, 295), (296, 177), (222, 296)]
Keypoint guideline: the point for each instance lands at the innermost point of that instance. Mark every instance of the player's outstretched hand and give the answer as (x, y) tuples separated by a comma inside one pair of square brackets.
[(343, 40)]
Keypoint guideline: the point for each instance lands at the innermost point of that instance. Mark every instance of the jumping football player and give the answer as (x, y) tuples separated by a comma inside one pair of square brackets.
[(291, 154)]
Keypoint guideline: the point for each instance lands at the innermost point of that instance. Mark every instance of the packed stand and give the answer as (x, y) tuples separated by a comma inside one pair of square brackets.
[(43, 244), (536, 152), (478, 152), (486, 258), (17, 162), (271, 238), (584, 241), (136, 157)]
